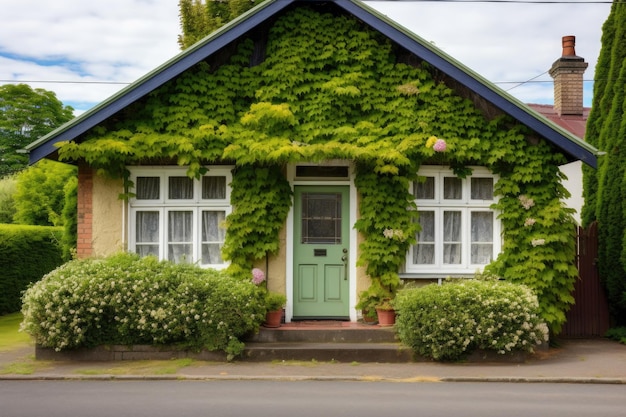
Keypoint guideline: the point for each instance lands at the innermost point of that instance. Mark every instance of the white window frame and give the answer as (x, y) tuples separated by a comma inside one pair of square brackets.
[(466, 206), (163, 205)]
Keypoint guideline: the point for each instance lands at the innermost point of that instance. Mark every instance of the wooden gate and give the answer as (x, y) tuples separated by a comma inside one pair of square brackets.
[(589, 316)]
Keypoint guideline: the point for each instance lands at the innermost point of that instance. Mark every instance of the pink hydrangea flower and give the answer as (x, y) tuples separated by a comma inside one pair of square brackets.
[(258, 276), (440, 145)]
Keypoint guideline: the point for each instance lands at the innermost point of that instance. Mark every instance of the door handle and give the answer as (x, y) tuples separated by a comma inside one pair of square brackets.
[(344, 258)]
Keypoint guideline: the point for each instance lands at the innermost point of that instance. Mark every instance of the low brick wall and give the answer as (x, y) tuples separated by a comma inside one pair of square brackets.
[(125, 353)]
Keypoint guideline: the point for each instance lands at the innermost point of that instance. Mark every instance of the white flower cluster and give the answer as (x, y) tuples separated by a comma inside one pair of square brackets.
[(129, 300), (469, 315), (526, 201), (396, 234)]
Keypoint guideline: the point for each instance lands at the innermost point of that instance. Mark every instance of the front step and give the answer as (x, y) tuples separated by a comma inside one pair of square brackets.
[(324, 342)]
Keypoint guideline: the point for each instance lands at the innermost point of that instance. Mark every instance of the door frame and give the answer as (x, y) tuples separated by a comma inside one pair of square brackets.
[(352, 251)]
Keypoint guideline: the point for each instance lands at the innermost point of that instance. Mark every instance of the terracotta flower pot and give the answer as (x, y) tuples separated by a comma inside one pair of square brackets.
[(273, 318), (386, 317)]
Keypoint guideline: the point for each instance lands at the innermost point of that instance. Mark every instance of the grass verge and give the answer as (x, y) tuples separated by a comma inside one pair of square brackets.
[(10, 336)]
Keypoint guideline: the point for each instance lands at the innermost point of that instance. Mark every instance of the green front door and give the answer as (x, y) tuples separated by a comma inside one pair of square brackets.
[(321, 248)]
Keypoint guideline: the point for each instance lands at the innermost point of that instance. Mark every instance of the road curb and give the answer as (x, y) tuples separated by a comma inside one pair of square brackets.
[(295, 378)]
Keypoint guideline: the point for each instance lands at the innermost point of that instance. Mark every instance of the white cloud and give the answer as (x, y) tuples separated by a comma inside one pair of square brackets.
[(121, 40)]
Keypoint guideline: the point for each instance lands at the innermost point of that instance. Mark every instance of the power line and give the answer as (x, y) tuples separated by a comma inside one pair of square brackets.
[(64, 82), (532, 80), (511, 1)]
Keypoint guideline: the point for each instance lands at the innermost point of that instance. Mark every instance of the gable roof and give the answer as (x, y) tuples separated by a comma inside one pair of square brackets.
[(570, 145), (574, 123)]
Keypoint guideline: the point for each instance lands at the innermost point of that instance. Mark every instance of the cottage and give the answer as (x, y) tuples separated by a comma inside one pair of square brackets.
[(335, 150)]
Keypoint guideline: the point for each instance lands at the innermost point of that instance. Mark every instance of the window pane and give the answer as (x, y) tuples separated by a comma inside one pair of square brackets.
[(424, 250), (451, 237), (213, 188), (482, 189), (147, 233), (147, 226), (424, 190), (482, 237), (148, 188), (212, 236), (180, 188), (321, 218), (452, 188), (180, 236)]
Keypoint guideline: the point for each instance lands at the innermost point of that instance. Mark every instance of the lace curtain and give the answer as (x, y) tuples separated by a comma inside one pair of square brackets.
[(179, 236), (212, 236)]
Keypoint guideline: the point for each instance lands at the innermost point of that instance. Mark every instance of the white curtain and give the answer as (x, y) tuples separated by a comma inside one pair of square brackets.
[(180, 188), (214, 188), (147, 233), (424, 190), (147, 188), (180, 236), (451, 237), (452, 188), (482, 237), (212, 236), (424, 251), (482, 189)]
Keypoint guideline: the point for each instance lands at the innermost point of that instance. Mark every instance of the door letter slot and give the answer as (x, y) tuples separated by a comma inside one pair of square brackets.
[(319, 252)]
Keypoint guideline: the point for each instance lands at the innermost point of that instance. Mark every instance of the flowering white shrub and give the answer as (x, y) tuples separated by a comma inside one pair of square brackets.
[(445, 322), (128, 300)]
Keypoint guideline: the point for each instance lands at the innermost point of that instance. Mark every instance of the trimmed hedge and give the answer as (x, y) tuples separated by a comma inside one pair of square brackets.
[(27, 253), (446, 322), (127, 300)]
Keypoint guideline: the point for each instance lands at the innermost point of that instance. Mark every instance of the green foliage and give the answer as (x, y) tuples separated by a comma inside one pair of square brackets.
[(604, 191), (261, 197), (198, 19), (275, 301), (446, 322), (7, 203), (69, 217), (27, 253), (618, 334), (128, 300), (40, 194), (25, 116), (351, 99)]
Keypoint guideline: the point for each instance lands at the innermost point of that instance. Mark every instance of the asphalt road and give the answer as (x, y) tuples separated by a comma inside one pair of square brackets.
[(306, 398)]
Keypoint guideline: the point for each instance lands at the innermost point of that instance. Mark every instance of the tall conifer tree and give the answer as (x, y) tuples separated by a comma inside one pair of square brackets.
[(199, 18), (605, 189)]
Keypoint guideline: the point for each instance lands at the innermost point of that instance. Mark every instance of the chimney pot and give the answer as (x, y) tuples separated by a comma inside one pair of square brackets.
[(567, 72), (569, 43)]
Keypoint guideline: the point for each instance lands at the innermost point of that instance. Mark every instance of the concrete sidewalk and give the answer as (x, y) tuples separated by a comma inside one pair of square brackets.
[(575, 361)]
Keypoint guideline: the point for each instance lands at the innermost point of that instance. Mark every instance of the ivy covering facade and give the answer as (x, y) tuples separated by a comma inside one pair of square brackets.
[(319, 86)]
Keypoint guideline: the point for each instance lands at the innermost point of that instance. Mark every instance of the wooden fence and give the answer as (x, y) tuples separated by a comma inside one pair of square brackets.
[(589, 316)]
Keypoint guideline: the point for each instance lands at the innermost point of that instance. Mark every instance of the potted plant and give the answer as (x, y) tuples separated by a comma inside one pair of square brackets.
[(274, 303), (386, 313), (367, 304)]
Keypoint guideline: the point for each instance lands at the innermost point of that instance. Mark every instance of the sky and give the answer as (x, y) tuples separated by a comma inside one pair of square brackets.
[(85, 51)]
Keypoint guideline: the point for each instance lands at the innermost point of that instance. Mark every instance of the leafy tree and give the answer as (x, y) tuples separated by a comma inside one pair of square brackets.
[(198, 18), (25, 116), (605, 189), (7, 204), (40, 196)]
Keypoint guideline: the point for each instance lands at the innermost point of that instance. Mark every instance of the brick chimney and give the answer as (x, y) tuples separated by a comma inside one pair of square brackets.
[(567, 72)]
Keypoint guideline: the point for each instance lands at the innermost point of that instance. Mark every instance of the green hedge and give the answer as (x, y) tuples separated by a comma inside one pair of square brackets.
[(446, 322), (129, 300), (27, 253)]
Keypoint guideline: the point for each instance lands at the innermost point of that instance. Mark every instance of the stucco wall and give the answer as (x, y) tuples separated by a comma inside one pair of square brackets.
[(107, 217)]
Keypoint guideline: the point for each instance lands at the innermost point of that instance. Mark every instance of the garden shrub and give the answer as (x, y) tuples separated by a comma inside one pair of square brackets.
[(27, 253), (129, 300), (446, 322)]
